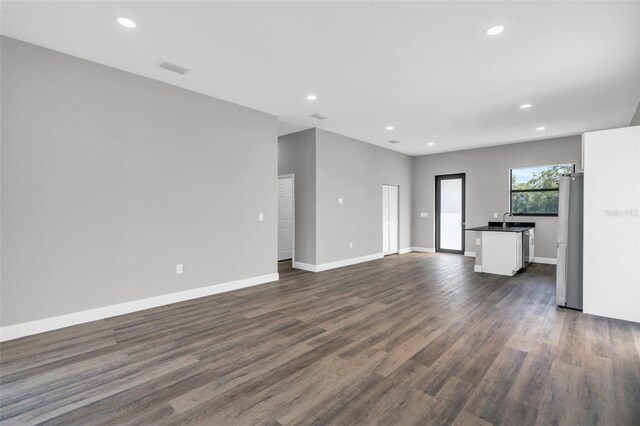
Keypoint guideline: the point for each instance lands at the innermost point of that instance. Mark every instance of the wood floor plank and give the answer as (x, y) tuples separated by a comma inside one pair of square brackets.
[(466, 419), (488, 400), (96, 393), (595, 391), (409, 339), (449, 402), (560, 401), (529, 385), (572, 340)]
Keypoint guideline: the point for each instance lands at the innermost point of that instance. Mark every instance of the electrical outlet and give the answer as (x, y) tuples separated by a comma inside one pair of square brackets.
[(340, 201), (562, 298), (350, 245), (260, 217), (478, 241), (179, 268), (424, 214), (495, 215)]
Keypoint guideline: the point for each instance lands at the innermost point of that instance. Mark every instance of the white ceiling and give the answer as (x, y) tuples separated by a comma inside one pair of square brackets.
[(426, 68)]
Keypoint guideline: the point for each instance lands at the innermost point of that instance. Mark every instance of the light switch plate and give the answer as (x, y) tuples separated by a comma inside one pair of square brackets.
[(478, 241), (179, 268), (260, 217), (340, 201), (495, 215), (424, 214)]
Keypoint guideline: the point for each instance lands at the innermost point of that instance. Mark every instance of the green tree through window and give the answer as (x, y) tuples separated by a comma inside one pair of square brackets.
[(534, 190)]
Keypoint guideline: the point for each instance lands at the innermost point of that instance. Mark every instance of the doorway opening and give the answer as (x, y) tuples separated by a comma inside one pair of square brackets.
[(390, 222), (450, 213), (286, 217)]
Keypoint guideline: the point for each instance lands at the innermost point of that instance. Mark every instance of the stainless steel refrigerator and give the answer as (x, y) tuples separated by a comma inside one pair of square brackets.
[(569, 268)]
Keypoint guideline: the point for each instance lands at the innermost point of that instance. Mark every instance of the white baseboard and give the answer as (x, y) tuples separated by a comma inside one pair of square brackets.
[(477, 268), (470, 253), (405, 250), (423, 249), (547, 260), (16, 331), (337, 264), (347, 262), (304, 266)]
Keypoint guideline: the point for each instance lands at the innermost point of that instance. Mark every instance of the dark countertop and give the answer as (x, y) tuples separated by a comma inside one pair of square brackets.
[(499, 229), (511, 227)]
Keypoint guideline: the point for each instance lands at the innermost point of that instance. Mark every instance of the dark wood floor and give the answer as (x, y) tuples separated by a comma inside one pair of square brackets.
[(409, 339)]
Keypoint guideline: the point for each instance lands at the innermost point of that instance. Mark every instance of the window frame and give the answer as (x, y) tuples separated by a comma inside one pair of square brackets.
[(511, 190)]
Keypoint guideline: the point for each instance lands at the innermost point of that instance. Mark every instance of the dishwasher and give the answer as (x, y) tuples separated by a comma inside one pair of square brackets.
[(526, 235)]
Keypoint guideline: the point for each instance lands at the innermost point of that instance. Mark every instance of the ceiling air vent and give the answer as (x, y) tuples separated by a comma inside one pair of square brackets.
[(318, 116), (394, 141), (173, 67)]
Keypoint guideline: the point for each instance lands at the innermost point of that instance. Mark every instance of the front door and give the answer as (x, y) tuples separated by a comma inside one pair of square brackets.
[(450, 213)]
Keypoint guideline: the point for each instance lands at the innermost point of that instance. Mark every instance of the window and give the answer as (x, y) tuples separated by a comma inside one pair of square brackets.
[(534, 190)]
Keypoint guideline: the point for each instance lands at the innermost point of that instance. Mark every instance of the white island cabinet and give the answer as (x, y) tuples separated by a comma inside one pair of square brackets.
[(504, 251)]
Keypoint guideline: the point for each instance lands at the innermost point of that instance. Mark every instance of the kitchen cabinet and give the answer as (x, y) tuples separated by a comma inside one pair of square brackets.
[(504, 250), (501, 252)]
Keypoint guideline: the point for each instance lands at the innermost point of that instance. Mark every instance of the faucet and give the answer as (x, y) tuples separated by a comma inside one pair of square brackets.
[(504, 219)]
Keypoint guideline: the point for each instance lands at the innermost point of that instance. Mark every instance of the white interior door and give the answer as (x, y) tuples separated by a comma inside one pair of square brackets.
[(390, 222), (285, 218)]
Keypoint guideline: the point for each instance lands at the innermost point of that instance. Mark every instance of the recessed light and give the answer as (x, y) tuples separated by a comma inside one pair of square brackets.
[(126, 22), (495, 30), (311, 97), (525, 106), (389, 127), (430, 143), (540, 128)]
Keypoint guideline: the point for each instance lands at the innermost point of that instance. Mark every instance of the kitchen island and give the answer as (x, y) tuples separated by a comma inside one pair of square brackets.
[(503, 250)]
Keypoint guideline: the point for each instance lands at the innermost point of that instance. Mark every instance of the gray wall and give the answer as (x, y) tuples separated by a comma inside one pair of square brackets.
[(635, 121), (355, 171), (110, 179), (487, 186), (297, 155)]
